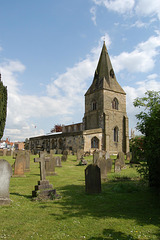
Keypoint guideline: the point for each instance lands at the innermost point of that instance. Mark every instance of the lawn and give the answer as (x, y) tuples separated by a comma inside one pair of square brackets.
[(125, 210)]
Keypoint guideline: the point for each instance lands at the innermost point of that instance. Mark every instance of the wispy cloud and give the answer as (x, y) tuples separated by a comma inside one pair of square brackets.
[(93, 13), (142, 59)]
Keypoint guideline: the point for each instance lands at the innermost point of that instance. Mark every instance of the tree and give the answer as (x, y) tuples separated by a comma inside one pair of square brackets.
[(3, 107), (57, 128), (26, 144), (149, 125)]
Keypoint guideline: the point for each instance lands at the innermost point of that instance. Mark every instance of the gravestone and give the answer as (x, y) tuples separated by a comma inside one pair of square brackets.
[(27, 161), (97, 155), (80, 153), (4, 152), (59, 151), (5, 174), (57, 160), (121, 159), (53, 151), (64, 158), (44, 190), (19, 165), (92, 179), (102, 164), (117, 166), (109, 165), (50, 166)]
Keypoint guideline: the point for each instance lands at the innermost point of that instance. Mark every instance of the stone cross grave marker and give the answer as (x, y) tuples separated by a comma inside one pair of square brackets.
[(5, 174), (42, 159), (44, 190)]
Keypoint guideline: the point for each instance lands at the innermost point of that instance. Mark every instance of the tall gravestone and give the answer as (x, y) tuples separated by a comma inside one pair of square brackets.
[(102, 164), (5, 175), (121, 159), (80, 153), (19, 165), (92, 179), (117, 166), (109, 165), (57, 160)]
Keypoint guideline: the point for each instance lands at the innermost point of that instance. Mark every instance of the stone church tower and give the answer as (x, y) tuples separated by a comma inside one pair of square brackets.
[(105, 119)]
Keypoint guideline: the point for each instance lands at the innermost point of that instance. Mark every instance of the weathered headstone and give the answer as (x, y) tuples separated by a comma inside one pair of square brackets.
[(27, 161), (43, 190), (57, 160), (19, 165), (102, 164), (92, 179), (117, 166), (59, 151), (64, 158), (50, 166), (97, 155), (80, 153), (121, 159), (109, 165), (53, 151), (5, 174), (107, 155)]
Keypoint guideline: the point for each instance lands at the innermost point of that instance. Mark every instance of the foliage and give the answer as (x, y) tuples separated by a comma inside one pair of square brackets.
[(26, 144), (57, 128), (3, 107), (149, 125)]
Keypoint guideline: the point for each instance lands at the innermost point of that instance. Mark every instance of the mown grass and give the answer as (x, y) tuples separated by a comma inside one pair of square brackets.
[(126, 209)]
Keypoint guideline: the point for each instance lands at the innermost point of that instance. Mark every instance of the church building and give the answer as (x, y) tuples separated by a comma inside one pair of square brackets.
[(105, 121)]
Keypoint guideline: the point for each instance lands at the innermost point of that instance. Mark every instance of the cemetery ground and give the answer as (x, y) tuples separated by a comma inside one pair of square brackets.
[(125, 210)]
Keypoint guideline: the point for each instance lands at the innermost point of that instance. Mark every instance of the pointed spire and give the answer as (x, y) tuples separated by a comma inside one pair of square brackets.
[(104, 77)]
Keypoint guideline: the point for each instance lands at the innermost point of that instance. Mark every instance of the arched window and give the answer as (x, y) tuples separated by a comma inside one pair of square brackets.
[(94, 105), (115, 103), (95, 142), (115, 134)]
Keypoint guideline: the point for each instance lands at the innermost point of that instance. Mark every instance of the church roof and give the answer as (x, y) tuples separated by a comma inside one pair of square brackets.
[(104, 77)]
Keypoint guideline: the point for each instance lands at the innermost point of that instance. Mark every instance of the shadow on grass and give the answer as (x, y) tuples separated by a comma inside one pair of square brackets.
[(109, 234), (22, 195), (121, 200)]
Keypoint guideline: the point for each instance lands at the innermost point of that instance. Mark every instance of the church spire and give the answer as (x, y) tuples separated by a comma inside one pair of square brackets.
[(104, 77)]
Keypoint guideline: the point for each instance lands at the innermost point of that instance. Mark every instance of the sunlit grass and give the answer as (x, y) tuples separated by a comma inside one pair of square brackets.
[(126, 208)]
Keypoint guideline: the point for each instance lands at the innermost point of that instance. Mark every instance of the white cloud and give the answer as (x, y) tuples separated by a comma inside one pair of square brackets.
[(93, 13), (116, 5), (142, 59), (148, 8), (139, 91)]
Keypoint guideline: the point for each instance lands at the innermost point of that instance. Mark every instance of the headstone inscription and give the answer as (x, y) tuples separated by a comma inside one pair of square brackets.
[(92, 179), (5, 174), (43, 190)]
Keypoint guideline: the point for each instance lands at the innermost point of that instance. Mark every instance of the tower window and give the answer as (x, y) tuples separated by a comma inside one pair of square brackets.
[(115, 134), (94, 105), (94, 142), (115, 103)]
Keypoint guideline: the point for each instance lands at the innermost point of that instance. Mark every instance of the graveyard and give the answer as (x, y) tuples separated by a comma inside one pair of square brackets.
[(124, 209)]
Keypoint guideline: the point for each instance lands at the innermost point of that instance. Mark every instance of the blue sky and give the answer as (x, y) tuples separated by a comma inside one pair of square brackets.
[(49, 51)]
